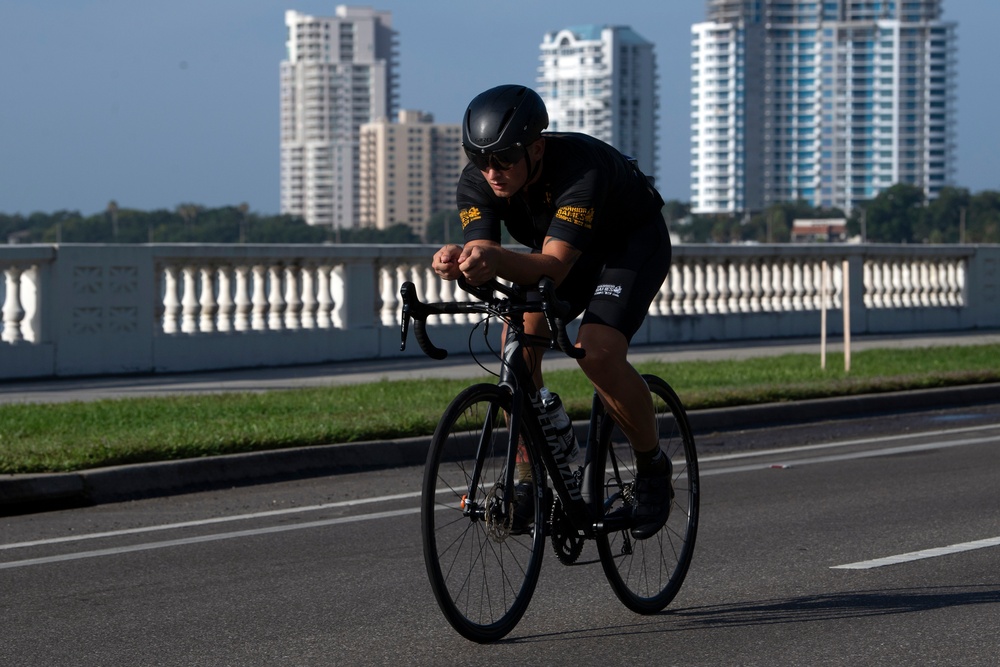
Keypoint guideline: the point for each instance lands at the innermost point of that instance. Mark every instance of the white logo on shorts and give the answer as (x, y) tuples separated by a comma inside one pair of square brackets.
[(608, 290)]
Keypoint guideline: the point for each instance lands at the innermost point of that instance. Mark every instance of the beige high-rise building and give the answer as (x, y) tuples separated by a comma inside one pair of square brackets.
[(408, 170)]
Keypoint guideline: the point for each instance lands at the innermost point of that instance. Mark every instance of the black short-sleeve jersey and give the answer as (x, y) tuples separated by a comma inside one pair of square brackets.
[(588, 194)]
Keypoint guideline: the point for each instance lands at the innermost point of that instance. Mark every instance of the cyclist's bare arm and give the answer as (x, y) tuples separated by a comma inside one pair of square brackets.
[(480, 261)]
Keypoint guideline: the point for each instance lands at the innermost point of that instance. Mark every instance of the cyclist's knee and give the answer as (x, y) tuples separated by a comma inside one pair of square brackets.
[(606, 350)]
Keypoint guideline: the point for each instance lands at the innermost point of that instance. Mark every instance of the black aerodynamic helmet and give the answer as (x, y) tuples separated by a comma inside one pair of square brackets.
[(501, 122)]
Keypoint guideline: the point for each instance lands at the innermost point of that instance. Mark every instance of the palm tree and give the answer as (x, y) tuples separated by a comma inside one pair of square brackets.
[(113, 213)]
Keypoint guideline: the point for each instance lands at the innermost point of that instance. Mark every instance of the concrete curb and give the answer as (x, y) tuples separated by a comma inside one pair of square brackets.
[(28, 493)]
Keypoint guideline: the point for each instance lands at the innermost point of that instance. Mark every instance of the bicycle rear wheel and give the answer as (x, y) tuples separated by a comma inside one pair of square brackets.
[(483, 567), (647, 574)]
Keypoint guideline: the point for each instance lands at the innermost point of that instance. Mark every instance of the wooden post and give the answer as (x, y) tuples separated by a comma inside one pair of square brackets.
[(822, 317), (846, 298)]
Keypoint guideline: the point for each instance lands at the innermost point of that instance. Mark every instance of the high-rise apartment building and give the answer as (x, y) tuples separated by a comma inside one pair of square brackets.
[(340, 73), (827, 101), (408, 170), (601, 80)]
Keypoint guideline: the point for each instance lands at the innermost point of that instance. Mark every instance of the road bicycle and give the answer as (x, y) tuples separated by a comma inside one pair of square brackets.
[(483, 558)]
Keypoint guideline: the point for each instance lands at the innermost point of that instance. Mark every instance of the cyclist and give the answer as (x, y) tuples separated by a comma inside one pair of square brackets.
[(595, 227)]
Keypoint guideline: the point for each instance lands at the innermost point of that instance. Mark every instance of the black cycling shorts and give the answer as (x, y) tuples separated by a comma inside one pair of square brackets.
[(619, 293)]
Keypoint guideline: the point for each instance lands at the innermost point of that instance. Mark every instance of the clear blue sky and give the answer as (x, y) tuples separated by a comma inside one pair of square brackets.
[(154, 104)]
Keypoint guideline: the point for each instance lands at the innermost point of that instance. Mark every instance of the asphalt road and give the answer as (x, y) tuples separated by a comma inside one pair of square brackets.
[(328, 571)]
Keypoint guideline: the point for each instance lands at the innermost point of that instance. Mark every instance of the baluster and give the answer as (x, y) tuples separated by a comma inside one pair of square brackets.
[(171, 304), (324, 301), (756, 290), (275, 301), (206, 322), (309, 302), (338, 288), (676, 290), (722, 280), (944, 289), (896, 283), (242, 300), (776, 289), (961, 269), (689, 294), (448, 290), (878, 282), (765, 270), (293, 303), (711, 287), (432, 287), (416, 276), (225, 300), (744, 289), (925, 284), (935, 276), (13, 313), (953, 284), (786, 287), (837, 289), (661, 303), (868, 280), (404, 272), (797, 282), (698, 272), (905, 284), (736, 294), (259, 299), (461, 296), (189, 303), (811, 282), (387, 310)]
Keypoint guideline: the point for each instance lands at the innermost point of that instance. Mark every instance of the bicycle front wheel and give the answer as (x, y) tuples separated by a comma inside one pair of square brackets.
[(647, 574), (483, 555)]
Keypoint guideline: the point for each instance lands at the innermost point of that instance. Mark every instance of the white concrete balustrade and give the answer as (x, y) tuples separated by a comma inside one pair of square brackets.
[(110, 309)]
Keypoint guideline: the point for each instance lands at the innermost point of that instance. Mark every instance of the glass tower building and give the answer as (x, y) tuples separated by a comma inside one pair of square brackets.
[(826, 101)]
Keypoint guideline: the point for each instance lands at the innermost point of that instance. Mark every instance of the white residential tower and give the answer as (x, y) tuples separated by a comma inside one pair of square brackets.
[(601, 80), (340, 72)]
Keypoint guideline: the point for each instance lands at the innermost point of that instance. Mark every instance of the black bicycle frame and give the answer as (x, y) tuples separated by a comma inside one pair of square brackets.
[(526, 398)]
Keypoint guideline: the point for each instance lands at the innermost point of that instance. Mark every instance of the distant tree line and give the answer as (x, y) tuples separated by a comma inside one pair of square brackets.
[(899, 214), (188, 223)]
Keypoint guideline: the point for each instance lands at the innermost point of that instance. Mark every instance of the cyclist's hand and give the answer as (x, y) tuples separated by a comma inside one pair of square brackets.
[(446, 260), (479, 263)]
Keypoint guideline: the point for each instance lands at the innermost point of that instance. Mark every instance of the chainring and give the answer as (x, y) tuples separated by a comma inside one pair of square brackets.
[(566, 542)]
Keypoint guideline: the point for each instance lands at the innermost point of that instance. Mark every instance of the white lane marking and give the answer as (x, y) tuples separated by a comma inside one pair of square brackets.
[(416, 494), (844, 443), (204, 538), (918, 555), (207, 522), (872, 453)]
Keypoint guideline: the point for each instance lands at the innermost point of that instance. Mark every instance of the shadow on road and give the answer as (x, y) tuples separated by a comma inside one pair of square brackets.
[(810, 608)]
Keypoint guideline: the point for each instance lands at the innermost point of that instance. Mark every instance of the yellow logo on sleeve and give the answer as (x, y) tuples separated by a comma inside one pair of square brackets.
[(578, 215), (468, 215)]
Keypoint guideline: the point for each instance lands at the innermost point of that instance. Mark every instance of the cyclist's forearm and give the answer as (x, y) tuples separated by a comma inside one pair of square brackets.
[(528, 269)]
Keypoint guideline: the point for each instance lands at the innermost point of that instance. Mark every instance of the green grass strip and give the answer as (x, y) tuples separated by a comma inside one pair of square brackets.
[(61, 437)]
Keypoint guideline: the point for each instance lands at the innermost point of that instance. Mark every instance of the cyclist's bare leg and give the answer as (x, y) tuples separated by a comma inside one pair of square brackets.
[(622, 390)]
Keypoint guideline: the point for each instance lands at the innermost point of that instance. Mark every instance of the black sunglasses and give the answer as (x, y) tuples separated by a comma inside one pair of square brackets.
[(501, 160)]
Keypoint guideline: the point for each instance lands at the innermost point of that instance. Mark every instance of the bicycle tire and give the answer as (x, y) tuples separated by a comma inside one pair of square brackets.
[(482, 573), (647, 574)]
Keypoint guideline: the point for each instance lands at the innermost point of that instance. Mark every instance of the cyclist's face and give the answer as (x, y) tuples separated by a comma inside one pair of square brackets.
[(507, 182)]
